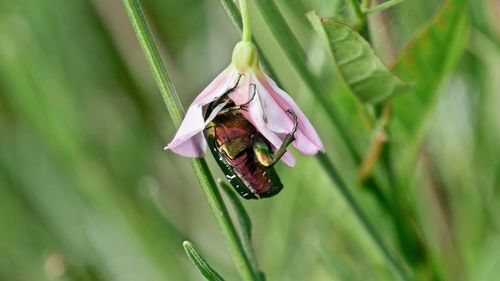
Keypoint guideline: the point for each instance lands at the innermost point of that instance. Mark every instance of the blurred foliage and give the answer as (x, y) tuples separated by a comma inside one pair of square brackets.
[(87, 193)]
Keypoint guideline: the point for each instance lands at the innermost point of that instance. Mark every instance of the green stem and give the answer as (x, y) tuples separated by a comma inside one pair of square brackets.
[(334, 175), (381, 7), (247, 29), (235, 16), (365, 4), (199, 165), (356, 8), (361, 20)]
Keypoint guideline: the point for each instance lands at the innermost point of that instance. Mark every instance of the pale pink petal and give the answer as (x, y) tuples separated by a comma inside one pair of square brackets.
[(277, 119), (307, 140), (195, 146), (243, 93), (188, 140), (256, 116)]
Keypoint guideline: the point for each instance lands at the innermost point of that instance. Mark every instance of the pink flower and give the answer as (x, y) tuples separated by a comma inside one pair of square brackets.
[(267, 110)]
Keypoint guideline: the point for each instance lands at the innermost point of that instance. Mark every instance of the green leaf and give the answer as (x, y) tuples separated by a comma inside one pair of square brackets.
[(427, 60), (200, 263), (241, 212), (245, 224), (363, 71)]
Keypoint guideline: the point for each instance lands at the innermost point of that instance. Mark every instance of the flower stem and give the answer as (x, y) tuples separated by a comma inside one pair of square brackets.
[(356, 7), (381, 7), (235, 16), (247, 29), (199, 165), (361, 21)]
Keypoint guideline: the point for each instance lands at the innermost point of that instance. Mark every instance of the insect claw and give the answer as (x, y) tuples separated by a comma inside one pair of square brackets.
[(238, 81), (244, 106), (295, 122)]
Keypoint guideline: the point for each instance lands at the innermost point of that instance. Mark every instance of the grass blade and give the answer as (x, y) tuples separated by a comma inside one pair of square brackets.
[(241, 212), (244, 222), (200, 263), (369, 227)]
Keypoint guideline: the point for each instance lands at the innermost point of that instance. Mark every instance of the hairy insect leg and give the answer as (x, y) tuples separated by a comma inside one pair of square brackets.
[(241, 106), (265, 156)]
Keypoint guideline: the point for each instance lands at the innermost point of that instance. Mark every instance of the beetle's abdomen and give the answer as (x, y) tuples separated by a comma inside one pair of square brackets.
[(256, 176)]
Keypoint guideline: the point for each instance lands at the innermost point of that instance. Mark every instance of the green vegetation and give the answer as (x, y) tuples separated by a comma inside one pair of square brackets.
[(409, 188)]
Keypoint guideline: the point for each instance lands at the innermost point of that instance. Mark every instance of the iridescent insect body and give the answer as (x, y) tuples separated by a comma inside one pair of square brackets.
[(242, 152)]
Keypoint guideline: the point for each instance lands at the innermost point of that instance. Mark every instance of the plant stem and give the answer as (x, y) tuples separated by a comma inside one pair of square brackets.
[(332, 172), (235, 16), (247, 29), (360, 24), (384, 6), (365, 4), (199, 165), (356, 8)]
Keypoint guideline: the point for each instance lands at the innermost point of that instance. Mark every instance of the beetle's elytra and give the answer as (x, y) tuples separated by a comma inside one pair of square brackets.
[(242, 152)]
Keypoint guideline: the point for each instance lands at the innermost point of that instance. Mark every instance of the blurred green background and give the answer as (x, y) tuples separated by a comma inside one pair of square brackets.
[(87, 192)]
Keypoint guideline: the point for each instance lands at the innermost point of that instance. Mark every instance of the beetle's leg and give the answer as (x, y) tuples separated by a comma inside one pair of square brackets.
[(265, 156), (241, 106), (244, 106)]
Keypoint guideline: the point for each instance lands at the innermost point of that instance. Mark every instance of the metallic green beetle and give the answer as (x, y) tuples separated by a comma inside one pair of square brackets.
[(242, 152)]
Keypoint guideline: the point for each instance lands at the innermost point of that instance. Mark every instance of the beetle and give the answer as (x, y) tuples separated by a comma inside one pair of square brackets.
[(244, 155)]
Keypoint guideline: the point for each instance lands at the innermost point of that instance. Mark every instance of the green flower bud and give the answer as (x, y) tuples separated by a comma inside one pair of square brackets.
[(245, 56)]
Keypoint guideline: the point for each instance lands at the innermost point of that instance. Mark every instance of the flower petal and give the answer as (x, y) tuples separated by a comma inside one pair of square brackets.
[(256, 116), (307, 140), (276, 118), (194, 146), (188, 140)]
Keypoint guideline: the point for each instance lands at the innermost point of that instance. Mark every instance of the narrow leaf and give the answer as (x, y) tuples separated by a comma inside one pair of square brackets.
[(244, 222), (245, 225), (363, 71), (431, 55), (241, 213), (200, 263)]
